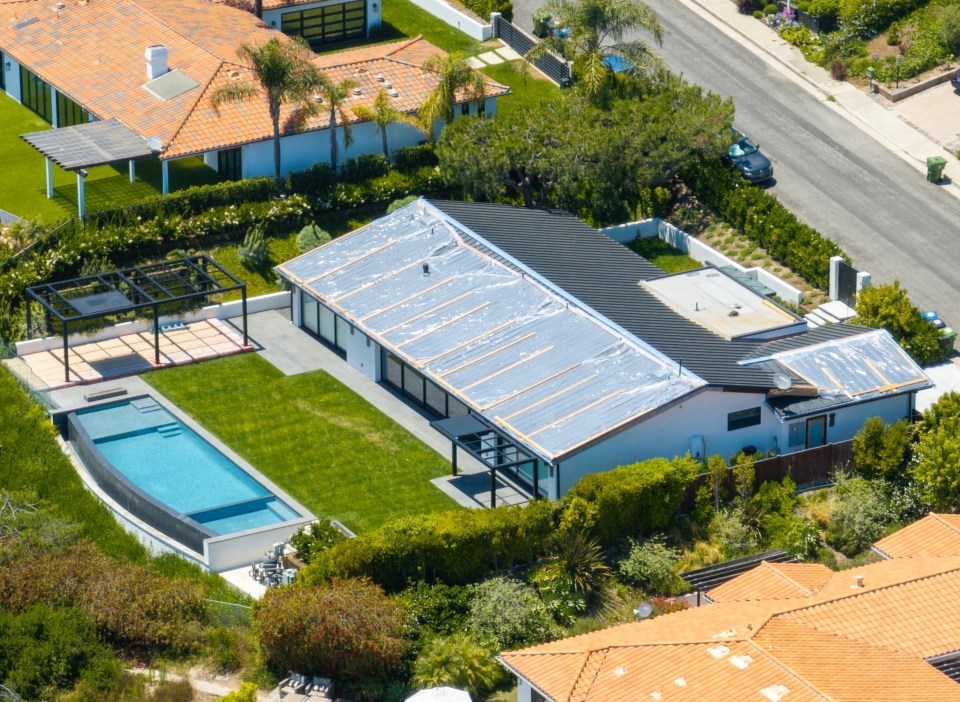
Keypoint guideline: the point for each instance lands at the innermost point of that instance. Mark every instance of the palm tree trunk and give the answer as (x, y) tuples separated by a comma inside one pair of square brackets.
[(386, 153), (333, 139), (275, 118)]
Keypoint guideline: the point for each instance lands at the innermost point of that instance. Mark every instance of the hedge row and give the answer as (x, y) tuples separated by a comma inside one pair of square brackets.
[(760, 217), (461, 547)]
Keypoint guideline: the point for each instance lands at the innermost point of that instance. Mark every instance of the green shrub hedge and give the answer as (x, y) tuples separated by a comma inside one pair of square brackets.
[(483, 8), (760, 217)]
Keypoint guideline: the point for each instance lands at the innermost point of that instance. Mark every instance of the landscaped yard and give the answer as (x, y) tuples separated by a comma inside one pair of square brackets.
[(329, 448), (526, 92), (24, 191)]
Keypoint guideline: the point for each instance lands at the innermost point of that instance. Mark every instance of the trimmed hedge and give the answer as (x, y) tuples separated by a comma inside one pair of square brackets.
[(636, 499), (760, 217), (456, 547)]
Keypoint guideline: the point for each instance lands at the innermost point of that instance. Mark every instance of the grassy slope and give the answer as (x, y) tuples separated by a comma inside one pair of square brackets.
[(326, 446), (526, 93)]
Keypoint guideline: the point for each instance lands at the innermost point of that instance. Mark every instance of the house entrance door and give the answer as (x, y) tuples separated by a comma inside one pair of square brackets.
[(816, 431)]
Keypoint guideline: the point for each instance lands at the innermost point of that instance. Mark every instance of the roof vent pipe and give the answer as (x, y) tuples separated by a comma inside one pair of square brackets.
[(156, 61), (858, 580)]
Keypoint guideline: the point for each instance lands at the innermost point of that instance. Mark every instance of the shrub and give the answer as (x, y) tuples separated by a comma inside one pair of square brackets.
[(838, 70), (441, 609), (858, 515), (319, 178), (734, 533), (936, 467), (507, 614), (402, 202), (758, 14), (747, 7), (246, 693), (946, 408), (457, 661), (310, 237), (413, 158), (637, 499), (888, 306), (868, 18), (347, 630), (253, 251), (651, 565), (362, 168), (882, 450), (483, 8), (770, 10), (826, 10)]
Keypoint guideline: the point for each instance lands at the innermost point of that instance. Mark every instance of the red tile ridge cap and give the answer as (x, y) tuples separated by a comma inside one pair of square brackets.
[(193, 106)]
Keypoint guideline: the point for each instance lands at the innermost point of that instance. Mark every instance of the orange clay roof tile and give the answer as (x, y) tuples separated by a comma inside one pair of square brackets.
[(934, 535), (773, 581)]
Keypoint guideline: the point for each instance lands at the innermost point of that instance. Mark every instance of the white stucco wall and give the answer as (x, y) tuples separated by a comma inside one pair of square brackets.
[(11, 77), (524, 691), (849, 420), (363, 354), (481, 30)]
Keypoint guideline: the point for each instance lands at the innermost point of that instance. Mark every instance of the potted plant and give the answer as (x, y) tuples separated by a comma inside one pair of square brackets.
[(541, 22)]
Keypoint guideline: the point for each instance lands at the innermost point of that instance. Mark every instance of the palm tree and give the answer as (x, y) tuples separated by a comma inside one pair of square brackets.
[(334, 95), (596, 30), (283, 74), (454, 76), (459, 661), (383, 115)]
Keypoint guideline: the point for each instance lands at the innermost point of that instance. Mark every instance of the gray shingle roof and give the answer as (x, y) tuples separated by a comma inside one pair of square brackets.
[(604, 275)]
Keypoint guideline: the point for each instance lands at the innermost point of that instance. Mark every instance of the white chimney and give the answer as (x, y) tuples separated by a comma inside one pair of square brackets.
[(156, 61)]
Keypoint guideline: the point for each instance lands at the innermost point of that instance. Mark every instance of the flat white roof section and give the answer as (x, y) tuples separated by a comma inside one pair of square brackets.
[(857, 366), (529, 361), (717, 302)]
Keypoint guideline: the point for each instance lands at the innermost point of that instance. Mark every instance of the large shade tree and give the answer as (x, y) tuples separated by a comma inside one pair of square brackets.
[(594, 30), (383, 114), (454, 77), (283, 74)]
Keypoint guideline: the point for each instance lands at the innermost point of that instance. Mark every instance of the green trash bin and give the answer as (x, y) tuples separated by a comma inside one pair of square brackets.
[(947, 338), (935, 166)]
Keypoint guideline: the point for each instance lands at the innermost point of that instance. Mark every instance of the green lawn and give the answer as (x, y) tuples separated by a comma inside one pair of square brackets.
[(664, 256), (526, 92), (24, 192), (326, 446), (401, 18)]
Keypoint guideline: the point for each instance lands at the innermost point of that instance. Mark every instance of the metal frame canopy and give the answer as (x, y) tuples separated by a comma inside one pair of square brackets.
[(492, 447), (130, 290), (85, 146)]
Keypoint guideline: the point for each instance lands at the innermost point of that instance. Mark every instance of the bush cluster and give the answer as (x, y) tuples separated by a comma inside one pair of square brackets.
[(760, 217), (888, 307), (483, 8)]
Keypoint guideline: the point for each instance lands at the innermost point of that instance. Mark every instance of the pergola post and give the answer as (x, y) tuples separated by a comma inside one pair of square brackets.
[(536, 480), (453, 456), (49, 178), (156, 334), (26, 300), (66, 353), (81, 205), (133, 171), (165, 170), (243, 306), (493, 487)]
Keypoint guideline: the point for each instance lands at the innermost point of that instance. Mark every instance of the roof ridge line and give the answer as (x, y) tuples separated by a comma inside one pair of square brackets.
[(175, 30), (206, 88), (788, 579), (782, 666), (939, 518), (602, 653)]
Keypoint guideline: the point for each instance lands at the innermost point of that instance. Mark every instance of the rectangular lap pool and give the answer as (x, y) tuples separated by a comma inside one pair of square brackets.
[(167, 475)]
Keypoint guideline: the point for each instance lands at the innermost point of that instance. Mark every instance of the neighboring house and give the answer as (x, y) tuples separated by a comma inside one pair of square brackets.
[(82, 60), (885, 632), (934, 535), (574, 355)]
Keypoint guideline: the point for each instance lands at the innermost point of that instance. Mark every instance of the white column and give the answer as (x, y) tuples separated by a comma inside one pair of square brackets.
[(863, 281), (55, 112), (834, 291), (165, 169), (133, 172), (81, 205), (49, 177)]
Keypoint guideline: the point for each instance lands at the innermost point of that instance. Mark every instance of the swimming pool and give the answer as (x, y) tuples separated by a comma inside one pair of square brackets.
[(166, 474)]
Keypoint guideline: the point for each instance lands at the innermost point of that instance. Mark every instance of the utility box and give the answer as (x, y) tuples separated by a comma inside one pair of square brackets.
[(935, 166)]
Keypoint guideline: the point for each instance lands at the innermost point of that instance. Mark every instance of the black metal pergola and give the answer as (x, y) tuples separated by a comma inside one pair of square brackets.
[(131, 290), (492, 447)]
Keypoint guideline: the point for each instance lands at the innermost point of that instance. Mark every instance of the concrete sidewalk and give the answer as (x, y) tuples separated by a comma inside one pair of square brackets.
[(872, 114)]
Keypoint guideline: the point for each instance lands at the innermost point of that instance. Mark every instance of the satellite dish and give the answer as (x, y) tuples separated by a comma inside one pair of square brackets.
[(782, 381), (643, 610), (155, 143)]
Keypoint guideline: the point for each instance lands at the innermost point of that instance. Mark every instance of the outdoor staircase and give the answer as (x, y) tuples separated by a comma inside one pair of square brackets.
[(168, 431), (830, 313)]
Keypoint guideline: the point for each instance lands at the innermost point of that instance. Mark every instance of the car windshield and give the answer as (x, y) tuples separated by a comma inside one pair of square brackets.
[(743, 147)]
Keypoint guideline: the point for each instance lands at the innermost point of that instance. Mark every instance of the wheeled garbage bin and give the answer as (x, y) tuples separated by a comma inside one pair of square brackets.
[(935, 166)]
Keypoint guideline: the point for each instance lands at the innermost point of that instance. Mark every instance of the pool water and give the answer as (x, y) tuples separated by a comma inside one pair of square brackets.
[(178, 467)]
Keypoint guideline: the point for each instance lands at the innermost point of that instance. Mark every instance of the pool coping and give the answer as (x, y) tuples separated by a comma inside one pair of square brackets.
[(220, 551)]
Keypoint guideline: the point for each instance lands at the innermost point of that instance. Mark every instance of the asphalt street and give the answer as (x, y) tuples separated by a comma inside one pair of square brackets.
[(829, 172)]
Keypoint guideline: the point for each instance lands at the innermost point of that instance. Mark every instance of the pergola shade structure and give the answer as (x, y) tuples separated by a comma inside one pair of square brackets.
[(166, 285), (86, 146), (492, 447)]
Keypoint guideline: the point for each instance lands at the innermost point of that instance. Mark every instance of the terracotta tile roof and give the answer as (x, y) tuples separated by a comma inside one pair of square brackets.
[(934, 535), (849, 670), (93, 52), (773, 581), (837, 643)]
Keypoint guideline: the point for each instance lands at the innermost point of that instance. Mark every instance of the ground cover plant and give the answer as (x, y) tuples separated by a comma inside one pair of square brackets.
[(329, 448)]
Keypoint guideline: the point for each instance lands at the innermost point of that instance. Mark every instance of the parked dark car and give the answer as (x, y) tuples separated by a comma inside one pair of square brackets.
[(955, 80), (746, 157)]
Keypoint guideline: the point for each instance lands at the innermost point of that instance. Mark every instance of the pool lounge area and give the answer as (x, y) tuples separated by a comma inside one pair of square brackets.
[(159, 472)]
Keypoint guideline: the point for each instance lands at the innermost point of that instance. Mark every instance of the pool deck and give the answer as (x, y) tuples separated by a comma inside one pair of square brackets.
[(128, 355)]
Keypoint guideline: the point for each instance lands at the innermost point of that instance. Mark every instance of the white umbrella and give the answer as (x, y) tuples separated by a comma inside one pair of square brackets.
[(440, 694)]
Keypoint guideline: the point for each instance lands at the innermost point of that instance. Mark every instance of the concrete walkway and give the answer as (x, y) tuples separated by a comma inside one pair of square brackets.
[(872, 114), (294, 351)]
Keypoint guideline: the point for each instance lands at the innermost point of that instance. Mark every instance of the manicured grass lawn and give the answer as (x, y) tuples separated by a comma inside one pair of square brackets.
[(24, 191), (664, 256), (526, 93), (407, 20), (327, 447)]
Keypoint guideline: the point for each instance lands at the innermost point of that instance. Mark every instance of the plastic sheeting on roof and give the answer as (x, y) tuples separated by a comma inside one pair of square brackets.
[(527, 360), (856, 366)]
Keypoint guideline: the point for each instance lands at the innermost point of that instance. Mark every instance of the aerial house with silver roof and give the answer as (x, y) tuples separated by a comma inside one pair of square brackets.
[(549, 351)]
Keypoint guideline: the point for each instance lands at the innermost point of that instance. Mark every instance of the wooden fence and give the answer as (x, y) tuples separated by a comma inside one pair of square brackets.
[(809, 469)]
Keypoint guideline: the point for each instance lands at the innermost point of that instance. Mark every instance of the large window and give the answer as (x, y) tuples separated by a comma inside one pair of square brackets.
[(70, 113), (420, 390), (325, 25), (35, 94), (322, 321), (230, 163), (743, 419)]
